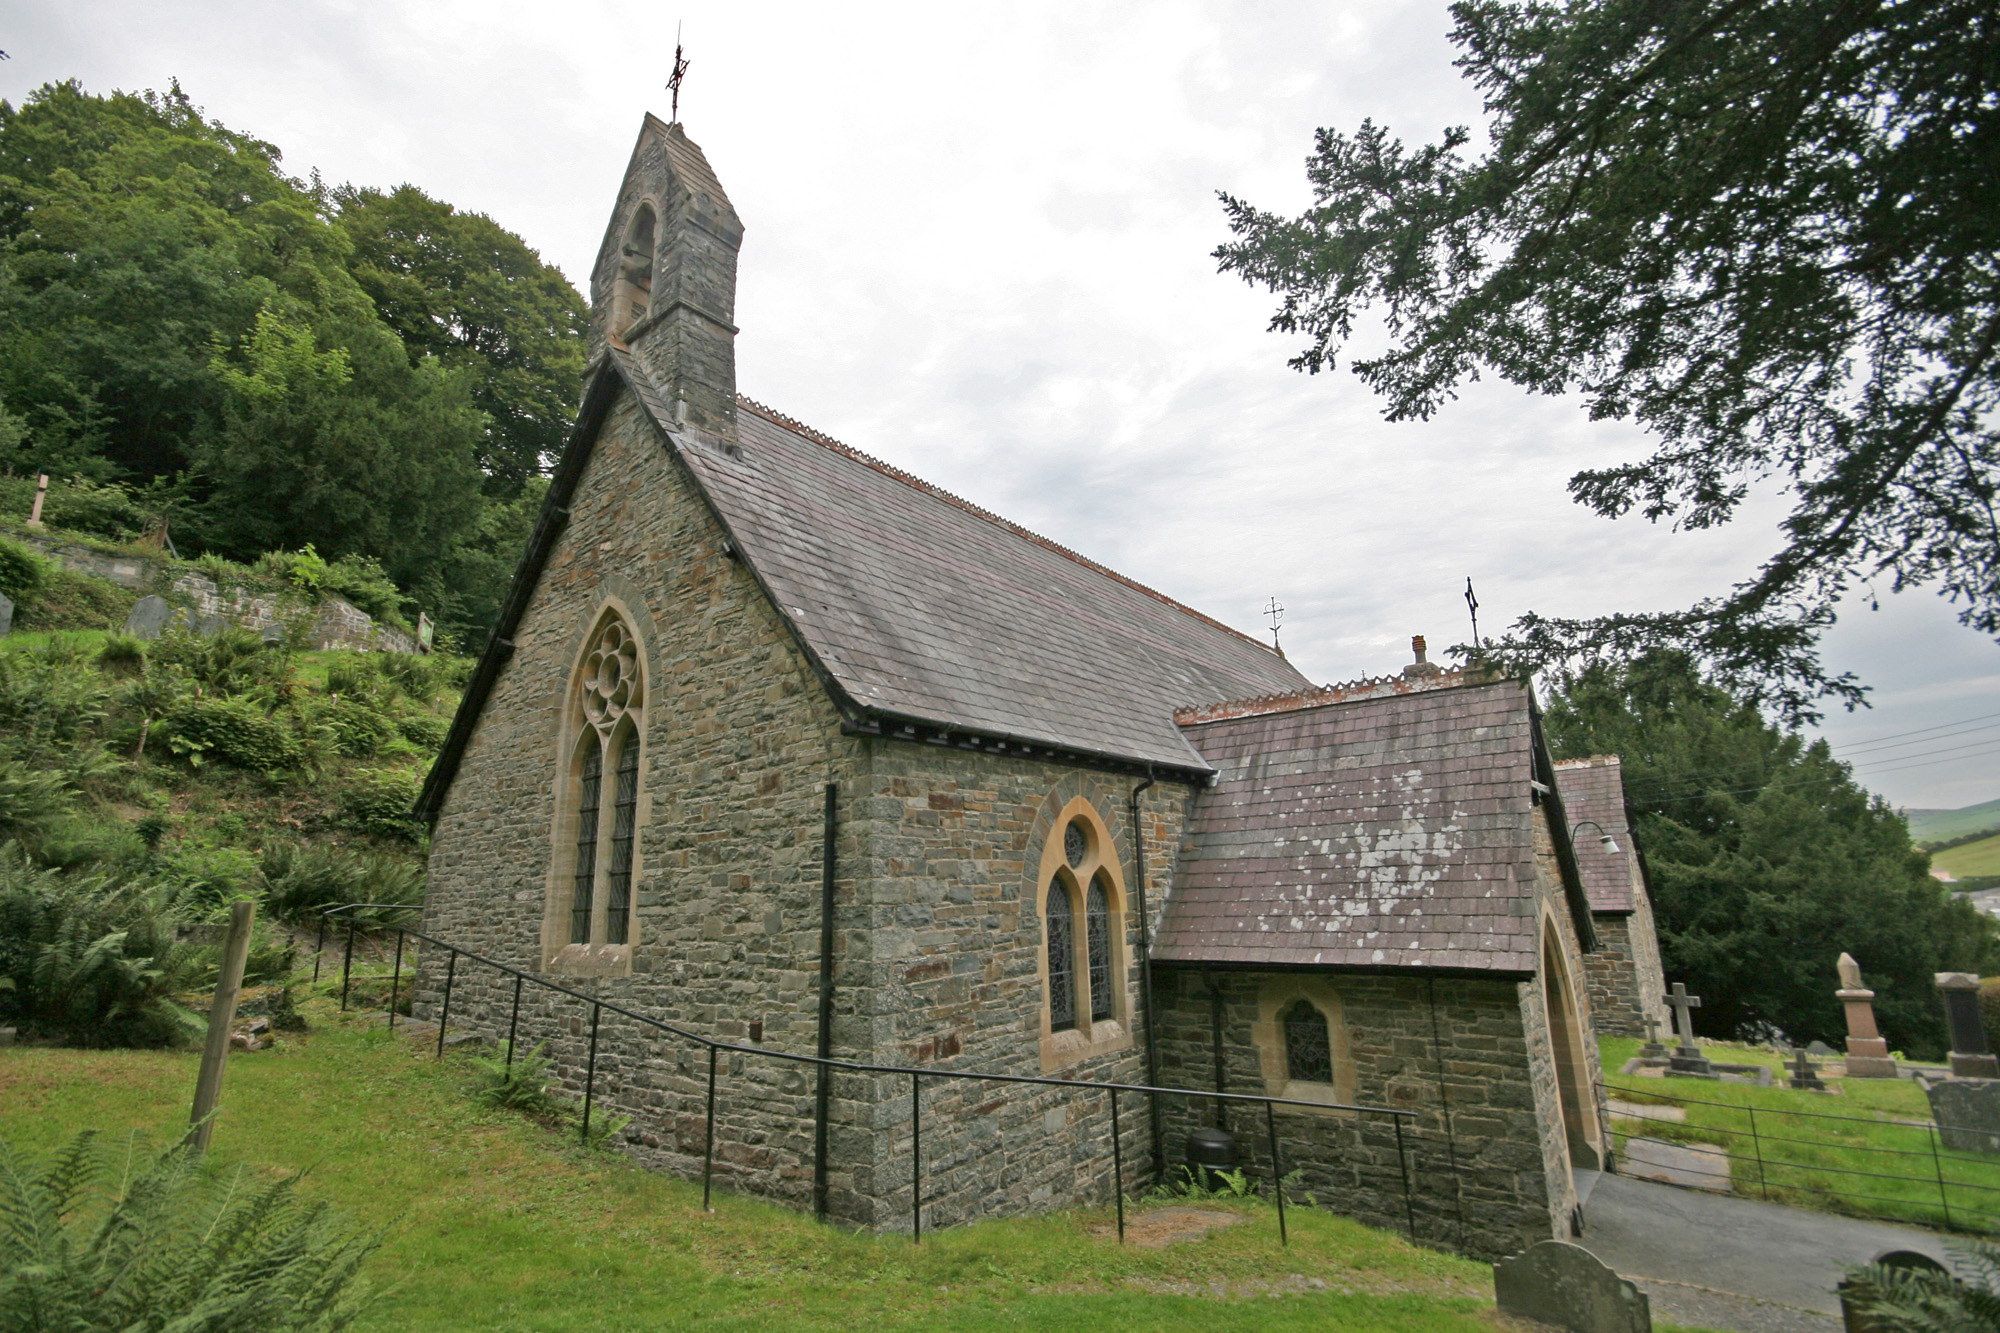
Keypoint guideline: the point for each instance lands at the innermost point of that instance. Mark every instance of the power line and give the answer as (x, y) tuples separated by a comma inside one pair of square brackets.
[(1921, 730), (1925, 740)]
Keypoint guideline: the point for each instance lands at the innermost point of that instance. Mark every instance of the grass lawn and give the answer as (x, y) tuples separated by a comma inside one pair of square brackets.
[(1809, 1160), (493, 1222), (1974, 858)]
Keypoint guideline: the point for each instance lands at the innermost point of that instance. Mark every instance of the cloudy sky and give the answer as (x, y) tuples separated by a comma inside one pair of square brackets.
[(978, 246)]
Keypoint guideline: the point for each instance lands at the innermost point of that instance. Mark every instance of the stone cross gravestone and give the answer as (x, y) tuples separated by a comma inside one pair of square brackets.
[(149, 617), (1971, 1057), (1687, 1057), (1805, 1074), (1867, 1052), (1555, 1282), (6, 614), (1652, 1050)]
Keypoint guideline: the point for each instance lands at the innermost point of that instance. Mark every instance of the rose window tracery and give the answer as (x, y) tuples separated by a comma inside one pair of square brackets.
[(611, 685)]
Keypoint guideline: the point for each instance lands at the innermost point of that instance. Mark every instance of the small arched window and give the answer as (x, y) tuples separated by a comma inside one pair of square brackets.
[(598, 823), (632, 296), (1308, 1045), (1062, 957), (1097, 931)]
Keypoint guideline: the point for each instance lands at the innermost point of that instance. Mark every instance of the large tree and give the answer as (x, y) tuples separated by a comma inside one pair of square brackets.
[(1766, 230), (1766, 860)]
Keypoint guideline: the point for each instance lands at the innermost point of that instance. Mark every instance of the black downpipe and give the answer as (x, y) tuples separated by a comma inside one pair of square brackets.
[(1444, 1105), (1215, 1033), (823, 1094), (1146, 980)]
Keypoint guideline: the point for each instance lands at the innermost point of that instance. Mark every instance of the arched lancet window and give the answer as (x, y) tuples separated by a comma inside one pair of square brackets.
[(599, 837), (624, 815), (1308, 1045), (1097, 930), (1062, 956)]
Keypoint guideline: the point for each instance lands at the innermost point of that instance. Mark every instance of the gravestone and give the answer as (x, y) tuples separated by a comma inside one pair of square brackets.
[(1805, 1074), (1652, 1050), (1555, 1282), (1867, 1052), (1971, 1057), (1687, 1059), (6, 614), (1819, 1050), (1967, 1111), (149, 617)]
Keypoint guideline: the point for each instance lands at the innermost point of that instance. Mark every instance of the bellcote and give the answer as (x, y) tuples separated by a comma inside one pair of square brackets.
[(664, 286)]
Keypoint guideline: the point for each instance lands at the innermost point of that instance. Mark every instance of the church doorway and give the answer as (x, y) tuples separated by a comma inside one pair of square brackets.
[(1566, 1037)]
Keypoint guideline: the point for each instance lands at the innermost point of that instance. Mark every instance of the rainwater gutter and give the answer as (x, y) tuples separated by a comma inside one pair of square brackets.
[(1146, 977)]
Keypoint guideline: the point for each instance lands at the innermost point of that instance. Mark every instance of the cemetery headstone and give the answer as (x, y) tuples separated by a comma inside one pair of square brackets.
[(1555, 1282), (1687, 1058), (1867, 1052), (1805, 1074), (1971, 1057), (1967, 1111), (1819, 1050), (1652, 1050), (6, 614), (149, 617)]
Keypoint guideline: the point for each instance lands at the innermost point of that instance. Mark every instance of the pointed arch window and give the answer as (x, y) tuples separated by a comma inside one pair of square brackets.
[(1097, 932), (1062, 957), (632, 294), (598, 815), (1308, 1044)]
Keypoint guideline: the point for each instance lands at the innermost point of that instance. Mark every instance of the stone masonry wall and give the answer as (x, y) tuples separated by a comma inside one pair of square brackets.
[(1552, 905), (1624, 974), (740, 741), (1478, 1181), (955, 857)]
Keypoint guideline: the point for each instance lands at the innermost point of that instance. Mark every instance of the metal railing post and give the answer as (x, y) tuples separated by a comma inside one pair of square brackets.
[(1937, 1165), (916, 1160), (708, 1150), (1117, 1167), (590, 1070), (444, 1014), (319, 947), (396, 979), (1757, 1147), (347, 965), (1277, 1169), (514, 1021), (1403, 1165)]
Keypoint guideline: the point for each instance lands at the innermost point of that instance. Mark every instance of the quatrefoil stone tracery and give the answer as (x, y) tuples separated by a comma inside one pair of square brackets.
[(611, 676)]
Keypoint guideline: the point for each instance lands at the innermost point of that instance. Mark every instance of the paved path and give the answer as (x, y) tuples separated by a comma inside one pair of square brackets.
[(1731, 1263)]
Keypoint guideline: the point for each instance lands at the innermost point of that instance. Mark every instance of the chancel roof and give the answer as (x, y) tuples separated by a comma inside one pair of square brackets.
[(1594, 790), (1387, 825)]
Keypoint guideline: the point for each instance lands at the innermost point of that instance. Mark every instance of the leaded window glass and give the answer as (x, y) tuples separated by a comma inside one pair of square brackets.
[(1062, 957), (586, 841), (1076, 843), (1097, 928), (1308, 1046), (624, 810)]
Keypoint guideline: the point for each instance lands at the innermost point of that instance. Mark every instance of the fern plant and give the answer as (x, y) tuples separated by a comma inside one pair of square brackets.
[(522, 1085), (1910, 1300), (91, 1241)]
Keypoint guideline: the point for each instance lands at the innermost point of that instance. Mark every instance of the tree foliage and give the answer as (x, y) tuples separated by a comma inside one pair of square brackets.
[(1766, 861), (1765, 230)]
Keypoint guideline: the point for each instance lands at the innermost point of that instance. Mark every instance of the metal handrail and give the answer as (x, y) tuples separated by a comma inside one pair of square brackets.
[(916, 1075)]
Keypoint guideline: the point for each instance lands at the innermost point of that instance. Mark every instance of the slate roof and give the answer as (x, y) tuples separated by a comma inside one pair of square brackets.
[(1387, 826), (1594, 789), (917, 607)]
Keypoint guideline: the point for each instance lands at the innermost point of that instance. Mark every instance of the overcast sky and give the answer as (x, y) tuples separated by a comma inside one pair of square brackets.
[(978, 246)]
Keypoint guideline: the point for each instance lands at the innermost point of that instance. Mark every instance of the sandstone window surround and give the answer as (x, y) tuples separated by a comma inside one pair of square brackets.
[(1302, 1042), (588, 928), (632, 295), (1083, 954)]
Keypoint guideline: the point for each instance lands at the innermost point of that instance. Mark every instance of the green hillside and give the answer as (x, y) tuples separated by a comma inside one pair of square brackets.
[(1972, 858), (1943, 825)]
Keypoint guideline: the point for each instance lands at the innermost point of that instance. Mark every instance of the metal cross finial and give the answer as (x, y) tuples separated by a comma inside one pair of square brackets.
[(680, 72), (1472, 605), (1275, 613)]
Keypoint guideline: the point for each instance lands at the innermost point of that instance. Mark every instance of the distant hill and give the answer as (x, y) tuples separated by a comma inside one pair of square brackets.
[(1943, 825), (1970, 860)]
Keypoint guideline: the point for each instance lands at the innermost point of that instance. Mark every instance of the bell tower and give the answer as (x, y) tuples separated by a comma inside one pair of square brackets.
[(664, 286)]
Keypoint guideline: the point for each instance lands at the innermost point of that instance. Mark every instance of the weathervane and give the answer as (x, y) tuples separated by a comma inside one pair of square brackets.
[(1472, 605), (1275, 613), (680, 72)]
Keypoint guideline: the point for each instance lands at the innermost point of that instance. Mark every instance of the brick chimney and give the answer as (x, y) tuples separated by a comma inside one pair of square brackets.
[(1423, 666), (664, 287)]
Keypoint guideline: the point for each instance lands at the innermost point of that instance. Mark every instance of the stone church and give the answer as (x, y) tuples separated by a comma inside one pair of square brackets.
[(753, 690)]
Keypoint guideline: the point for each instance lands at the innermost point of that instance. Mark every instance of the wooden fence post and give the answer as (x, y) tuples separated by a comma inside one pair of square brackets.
[(221, 1015)]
